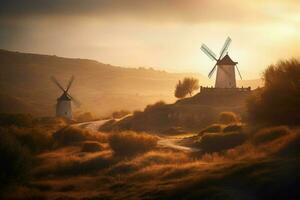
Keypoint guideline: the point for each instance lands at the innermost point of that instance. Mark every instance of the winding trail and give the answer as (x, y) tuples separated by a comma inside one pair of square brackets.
[(164, 141)]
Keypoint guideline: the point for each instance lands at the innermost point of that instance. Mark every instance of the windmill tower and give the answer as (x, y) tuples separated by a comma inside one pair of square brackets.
[(225, 66), (63, 105)]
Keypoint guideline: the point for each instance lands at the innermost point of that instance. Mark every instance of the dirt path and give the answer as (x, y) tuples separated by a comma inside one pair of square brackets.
[(94, 125), (174, 142), (164, 141)]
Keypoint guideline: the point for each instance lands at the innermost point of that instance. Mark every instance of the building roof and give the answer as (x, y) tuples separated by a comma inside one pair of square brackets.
[(226, 60), (64, 97)]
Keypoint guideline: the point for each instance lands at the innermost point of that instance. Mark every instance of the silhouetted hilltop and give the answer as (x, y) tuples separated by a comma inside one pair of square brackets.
[(101, 88), (192, 113)]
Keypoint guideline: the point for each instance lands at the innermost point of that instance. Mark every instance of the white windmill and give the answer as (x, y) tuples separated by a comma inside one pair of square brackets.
[(225, 66), (63, 105)]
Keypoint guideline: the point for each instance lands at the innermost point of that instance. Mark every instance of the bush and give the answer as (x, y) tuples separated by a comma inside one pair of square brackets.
[(51, 123), (131, 143), (174, 131), (278, 102), (269, 134), (19, 120), (291, 146), (15, 159), (185, 87), (74, 163), (91, 146), (34, 139), (233, 128), (154, 107), (120, 114), (214, 128), (228, 118), (74, 135), (84, 117), (71, 135), (107, 126), (216, 142)]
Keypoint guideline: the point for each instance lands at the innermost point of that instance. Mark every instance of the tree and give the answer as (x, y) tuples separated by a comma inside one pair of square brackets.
[(185, 87), (277, 103)]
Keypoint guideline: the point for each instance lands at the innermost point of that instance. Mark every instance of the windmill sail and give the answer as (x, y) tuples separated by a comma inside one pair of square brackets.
[(63, 106), (209, 52), (70, 83), (224, 66), (212, 71), (75, 101), (225, 47), (57, 83), (239, 72)]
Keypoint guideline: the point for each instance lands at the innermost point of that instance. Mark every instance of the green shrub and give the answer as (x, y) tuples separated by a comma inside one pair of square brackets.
[(131, 143)]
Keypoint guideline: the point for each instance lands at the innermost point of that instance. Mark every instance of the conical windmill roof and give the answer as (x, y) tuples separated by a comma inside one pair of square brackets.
[(64, 97), (226, 60)]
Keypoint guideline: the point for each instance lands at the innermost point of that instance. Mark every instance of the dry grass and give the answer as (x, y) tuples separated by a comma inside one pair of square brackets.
[(216, 142), (91, 146), (228, 118), (130, 143), (214, 128), (130, 166), (74, 135), (148, 159), (72, 161), (277, 103), (233, 128), (268, 134), (166, 174), (16, 159)]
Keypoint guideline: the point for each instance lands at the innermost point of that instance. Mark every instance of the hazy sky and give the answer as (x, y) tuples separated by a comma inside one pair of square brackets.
[(164, 34)]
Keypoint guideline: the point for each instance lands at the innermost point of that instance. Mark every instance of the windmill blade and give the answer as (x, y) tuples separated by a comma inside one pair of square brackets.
[(225, 47), (239, 72), (75, 101), (70, 83), (209, 52), (57, 83), (212, 71)]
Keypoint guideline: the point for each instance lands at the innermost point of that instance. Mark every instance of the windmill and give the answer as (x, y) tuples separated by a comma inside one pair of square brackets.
[(63, 105), (225, 66)]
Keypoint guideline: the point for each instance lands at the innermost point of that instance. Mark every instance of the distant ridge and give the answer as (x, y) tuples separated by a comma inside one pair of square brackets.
[(102, 88)]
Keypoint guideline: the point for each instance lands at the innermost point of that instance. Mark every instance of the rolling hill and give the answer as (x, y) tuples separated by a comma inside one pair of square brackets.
[(101, 88)]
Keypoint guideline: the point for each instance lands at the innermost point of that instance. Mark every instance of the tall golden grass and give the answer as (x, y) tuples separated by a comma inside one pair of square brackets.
[(130, 143)]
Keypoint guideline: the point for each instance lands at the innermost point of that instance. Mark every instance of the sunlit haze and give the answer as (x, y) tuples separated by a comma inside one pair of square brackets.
[(165, 35)]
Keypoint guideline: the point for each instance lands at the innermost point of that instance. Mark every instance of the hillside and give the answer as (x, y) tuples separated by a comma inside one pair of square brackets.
[(101, 88), (192, 113)]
